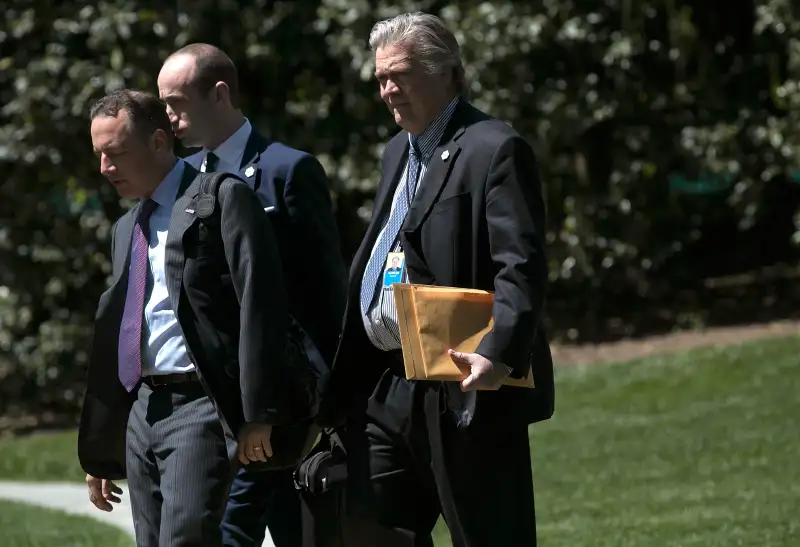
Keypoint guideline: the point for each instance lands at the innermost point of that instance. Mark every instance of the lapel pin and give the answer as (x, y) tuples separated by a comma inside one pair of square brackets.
[(249, 171), (445, 155)]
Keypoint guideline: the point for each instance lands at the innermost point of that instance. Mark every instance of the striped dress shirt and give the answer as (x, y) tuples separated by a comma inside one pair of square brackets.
[(380, 321)]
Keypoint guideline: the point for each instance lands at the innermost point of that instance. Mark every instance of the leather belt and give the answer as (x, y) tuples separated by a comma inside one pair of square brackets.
[(158, 380)]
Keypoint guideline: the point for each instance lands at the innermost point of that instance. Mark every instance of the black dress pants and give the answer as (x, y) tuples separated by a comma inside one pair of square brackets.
[(408, 463)]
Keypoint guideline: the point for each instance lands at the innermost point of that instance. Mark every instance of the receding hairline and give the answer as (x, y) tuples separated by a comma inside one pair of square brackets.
[(208, 66), (199, 54), (144, 112), (199, 51), (122, 112), (188, 70)]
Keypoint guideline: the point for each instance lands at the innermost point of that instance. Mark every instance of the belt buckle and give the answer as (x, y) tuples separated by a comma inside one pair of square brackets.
[(159, 380)]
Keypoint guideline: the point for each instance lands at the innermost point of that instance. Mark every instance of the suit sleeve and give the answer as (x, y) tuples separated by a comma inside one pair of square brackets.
[(320, 263), (113, 237), (252, 255), (515, 219)]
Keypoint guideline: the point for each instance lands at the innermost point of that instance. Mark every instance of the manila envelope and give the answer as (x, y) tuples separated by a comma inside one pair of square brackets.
[(433, 319)]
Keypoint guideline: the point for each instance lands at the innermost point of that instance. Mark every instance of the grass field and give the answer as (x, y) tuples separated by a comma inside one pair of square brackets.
[(24, 525), (45, 457), (699, 449)]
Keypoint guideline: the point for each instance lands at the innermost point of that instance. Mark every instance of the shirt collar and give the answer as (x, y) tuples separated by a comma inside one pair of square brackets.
[(232, 149), (430, 138), (167, 191)]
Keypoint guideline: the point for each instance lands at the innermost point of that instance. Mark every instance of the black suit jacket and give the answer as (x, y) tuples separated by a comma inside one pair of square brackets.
[(293, 189), (477, 221), (233, 316)]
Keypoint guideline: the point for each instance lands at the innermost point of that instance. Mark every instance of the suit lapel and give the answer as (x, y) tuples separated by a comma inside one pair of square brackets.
[(183, 216), (120, 263), (433, 182), (122, 246), (395, 164), (436, 176), (250, 170)]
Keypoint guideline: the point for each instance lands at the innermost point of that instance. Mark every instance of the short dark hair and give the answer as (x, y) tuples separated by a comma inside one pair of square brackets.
[(146, 112), (212, 65)]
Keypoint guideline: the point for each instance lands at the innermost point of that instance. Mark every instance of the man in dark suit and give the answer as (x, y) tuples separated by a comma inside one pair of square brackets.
[(460, 196), (199, 85), (188, 350)]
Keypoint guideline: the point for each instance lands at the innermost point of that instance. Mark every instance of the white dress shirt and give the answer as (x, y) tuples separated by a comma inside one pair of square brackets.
[(164, 350)]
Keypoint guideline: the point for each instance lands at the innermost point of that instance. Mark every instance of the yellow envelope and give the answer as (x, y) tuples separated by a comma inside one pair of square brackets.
[(433, 319)]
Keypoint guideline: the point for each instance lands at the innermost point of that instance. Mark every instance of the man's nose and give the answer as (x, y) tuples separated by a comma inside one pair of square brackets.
[(390, 88), (107, 168)]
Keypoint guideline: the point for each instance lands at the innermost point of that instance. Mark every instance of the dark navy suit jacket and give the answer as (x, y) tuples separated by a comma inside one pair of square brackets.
[(293, 189)]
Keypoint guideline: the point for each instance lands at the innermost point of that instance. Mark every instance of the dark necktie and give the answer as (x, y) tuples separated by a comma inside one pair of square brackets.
[(130, 333), (211, 162)]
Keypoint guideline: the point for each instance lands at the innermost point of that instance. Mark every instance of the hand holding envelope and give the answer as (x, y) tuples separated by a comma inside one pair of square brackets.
[(480, 373), (440, 329)]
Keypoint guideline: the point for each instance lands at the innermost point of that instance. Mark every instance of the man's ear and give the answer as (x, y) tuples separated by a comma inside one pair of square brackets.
[(222, 94), (161, 141)]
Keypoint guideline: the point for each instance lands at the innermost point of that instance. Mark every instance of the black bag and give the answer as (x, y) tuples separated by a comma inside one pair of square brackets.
[(321, 479), (292, 441)]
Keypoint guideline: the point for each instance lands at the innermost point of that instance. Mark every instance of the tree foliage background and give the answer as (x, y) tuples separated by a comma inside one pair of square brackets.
[(667, 131)]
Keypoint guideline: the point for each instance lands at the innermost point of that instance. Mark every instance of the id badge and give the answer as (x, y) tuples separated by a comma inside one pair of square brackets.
[(395, 269)]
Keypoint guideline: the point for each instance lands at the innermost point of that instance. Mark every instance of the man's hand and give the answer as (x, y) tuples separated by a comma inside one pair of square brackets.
[(254, 443), (103, 491), (480, 372)]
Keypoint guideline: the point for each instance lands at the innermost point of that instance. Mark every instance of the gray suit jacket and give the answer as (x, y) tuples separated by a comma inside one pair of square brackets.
[(233, 315)]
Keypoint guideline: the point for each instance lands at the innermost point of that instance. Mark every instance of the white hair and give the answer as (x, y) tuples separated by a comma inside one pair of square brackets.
[(432, 43)]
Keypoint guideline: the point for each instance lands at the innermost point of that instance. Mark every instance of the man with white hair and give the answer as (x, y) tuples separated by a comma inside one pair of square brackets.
[(460, 199)]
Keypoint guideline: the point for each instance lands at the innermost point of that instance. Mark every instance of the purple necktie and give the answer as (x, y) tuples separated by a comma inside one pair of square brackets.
[(130, 333)]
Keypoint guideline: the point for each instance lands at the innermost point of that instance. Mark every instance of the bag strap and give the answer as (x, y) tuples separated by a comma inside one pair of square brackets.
[(209, 190), (334, 436)]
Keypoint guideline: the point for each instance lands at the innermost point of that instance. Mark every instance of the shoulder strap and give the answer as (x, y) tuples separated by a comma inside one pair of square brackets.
[(334, 439), (209, 190)]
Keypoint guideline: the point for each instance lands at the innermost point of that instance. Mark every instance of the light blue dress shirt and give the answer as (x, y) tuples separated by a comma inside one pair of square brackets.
[(164, 349), (231, 152)]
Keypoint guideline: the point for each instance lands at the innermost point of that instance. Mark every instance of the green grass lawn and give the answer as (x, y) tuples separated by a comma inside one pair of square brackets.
[(699, 449), (45, 457), (24, 525)]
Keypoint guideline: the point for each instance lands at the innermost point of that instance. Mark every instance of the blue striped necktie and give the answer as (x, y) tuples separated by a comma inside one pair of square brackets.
[(375, 266)]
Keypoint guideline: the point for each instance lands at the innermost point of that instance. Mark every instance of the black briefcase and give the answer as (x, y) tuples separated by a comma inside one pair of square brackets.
[(320, 480)]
